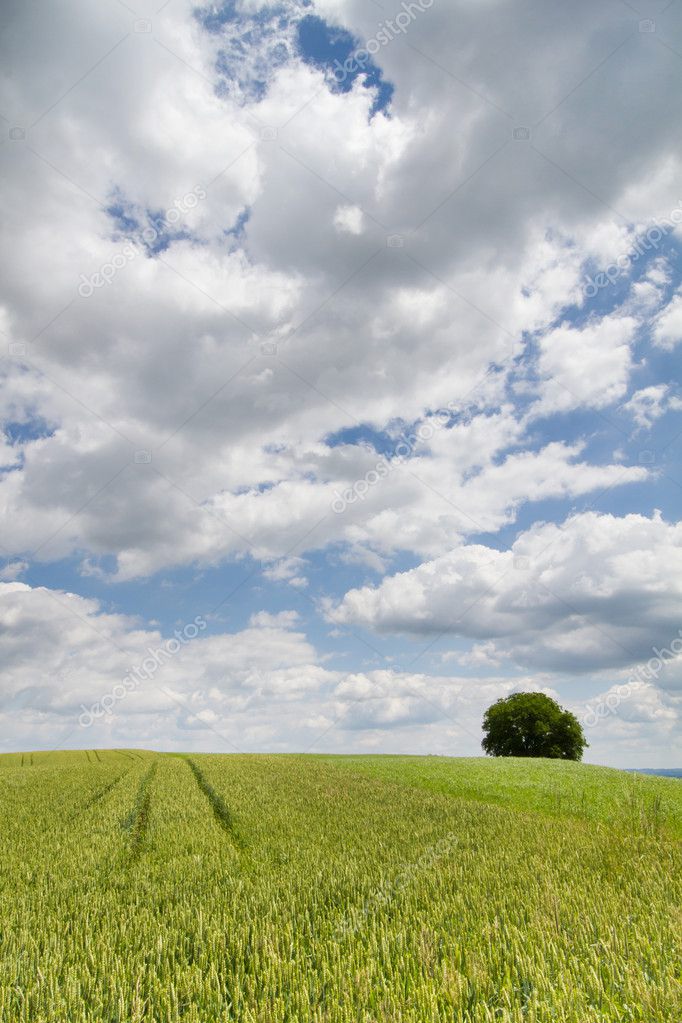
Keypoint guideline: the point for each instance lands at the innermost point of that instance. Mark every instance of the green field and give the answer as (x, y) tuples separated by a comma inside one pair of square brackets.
[(155, 887)]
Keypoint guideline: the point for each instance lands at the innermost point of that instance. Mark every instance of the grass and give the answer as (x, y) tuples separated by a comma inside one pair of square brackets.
[(553, 787), (146, 888)]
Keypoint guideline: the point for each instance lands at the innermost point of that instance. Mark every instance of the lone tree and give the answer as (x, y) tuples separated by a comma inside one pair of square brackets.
[(532, 725)]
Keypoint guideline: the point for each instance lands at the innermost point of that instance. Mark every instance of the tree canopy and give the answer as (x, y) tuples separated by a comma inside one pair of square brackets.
[(532, 725)]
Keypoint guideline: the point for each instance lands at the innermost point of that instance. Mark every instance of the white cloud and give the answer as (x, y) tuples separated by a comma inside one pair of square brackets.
[(287, 570), (257, 688), (647, 293), (587, 367), (12, 570), (364, 332), (650, 403), (349, 219), (595, 592), (62, 655), (668, 325), (643, 727), (281, 620), (389, 699)]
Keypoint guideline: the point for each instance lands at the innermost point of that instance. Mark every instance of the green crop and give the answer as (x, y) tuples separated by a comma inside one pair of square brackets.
[(150, 888)]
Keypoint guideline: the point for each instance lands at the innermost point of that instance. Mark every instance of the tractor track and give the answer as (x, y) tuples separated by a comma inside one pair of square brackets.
[(221, 811), (137, 821), (99, 795)]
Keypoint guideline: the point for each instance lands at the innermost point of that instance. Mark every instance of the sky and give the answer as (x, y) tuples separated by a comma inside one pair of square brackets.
[(340, 373)]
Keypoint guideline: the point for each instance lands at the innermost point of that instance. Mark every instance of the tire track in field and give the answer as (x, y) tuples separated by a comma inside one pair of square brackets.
[(137, 821), (221, 810), (100, 795)]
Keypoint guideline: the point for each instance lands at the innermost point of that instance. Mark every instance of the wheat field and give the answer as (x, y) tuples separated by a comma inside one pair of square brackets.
[(162, 888)]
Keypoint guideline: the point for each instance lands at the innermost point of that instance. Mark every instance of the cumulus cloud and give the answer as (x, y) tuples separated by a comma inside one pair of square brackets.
[(76, 675), (349, 219), (274, 311), (287, 570), (625, 723), (12, 570), (392, 699), (668, 324), (597, 591), (586, 367), (650, 403), (63, 656), (281, 620)]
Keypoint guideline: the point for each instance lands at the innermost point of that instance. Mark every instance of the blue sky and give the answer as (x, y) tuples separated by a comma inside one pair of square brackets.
[(270, 275)]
